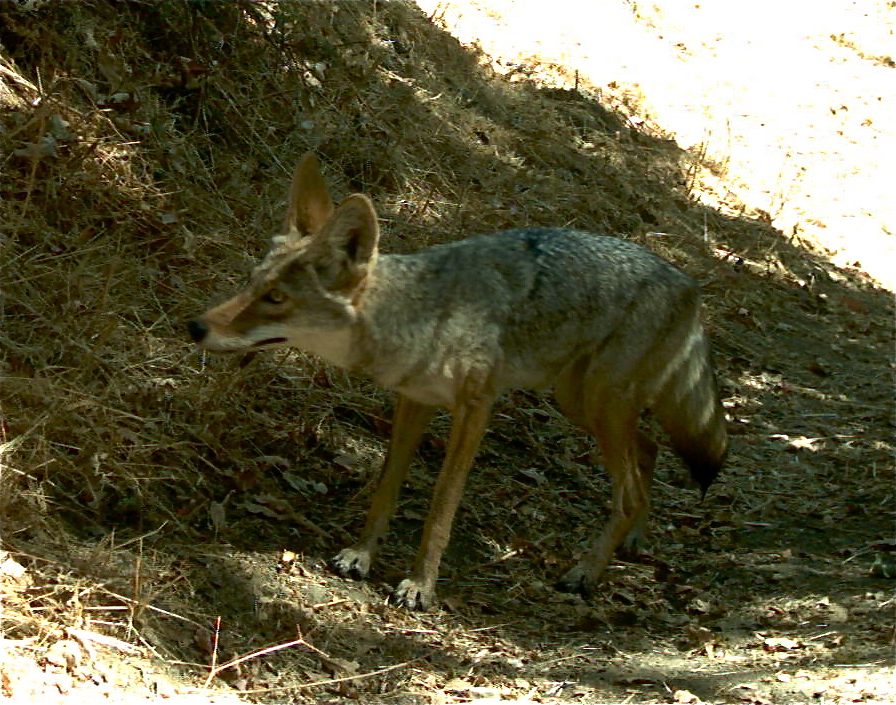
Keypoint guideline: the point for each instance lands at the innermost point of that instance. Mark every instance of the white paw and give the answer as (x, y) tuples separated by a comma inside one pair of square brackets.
[(413, 595), (351, 563)]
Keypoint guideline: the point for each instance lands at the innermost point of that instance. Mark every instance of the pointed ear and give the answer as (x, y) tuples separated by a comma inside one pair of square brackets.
[(309, 206), (354, 229)]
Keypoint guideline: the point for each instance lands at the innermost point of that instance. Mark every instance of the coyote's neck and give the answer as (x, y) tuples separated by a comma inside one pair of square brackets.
[(404, 343)]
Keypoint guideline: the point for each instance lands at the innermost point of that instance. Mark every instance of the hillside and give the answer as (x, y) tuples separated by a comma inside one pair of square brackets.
[(167, 516)]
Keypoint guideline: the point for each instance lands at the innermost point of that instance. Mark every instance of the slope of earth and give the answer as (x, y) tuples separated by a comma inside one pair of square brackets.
[(789, 104), (166, 518)]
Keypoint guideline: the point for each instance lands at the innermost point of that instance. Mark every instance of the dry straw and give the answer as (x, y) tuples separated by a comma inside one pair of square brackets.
[(146, 149)]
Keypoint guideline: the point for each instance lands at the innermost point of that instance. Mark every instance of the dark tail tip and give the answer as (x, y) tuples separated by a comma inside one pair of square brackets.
[(705, 469), (197, 330)]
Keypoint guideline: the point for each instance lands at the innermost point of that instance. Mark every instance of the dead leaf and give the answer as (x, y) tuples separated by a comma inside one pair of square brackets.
[(276, 460), (340, 667), (457, 685), (777, 644), (347, 461), (89, 88), (204, 639), (65, 653), (12, 572), (269, 506), (217, 515), (853, 304), (38, 150), (112, 67), (538, 477)]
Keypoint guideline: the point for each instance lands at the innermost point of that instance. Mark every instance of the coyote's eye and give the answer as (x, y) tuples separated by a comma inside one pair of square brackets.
[(274, 296)]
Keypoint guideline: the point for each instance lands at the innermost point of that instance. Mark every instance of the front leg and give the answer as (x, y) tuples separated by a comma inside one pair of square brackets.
[(408, 425), (468, 425)]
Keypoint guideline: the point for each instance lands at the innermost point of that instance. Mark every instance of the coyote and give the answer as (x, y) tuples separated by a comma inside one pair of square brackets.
[(612, 328)]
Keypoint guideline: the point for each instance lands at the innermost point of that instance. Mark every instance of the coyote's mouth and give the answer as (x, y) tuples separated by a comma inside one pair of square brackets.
[(268, 341)]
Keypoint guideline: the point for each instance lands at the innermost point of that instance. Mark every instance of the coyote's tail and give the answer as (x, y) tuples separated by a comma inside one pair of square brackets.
[(689, 409)]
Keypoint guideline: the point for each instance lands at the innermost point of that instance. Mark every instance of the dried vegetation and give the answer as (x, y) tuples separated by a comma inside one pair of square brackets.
[(148, 493)]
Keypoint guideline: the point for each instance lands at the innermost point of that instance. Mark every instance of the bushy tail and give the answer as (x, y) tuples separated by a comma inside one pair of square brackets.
[(689, 409)]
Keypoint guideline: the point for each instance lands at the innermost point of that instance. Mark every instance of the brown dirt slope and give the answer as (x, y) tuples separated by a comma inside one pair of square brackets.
[(163, 512)]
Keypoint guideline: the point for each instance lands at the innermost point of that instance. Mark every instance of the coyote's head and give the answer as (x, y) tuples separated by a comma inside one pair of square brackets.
[(306, 291)]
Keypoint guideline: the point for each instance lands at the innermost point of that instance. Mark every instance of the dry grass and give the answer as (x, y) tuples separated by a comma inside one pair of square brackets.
[(789, 102), (138, 185), (145, 151)]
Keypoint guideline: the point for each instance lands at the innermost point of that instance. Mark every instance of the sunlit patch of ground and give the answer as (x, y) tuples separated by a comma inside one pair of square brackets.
[(792, 102)]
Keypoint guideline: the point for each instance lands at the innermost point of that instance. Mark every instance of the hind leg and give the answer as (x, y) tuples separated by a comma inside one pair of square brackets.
[(633, 543), (618, 439), (611, 415)]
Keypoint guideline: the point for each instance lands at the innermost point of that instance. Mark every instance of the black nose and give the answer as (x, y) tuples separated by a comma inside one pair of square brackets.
[(197, 330)]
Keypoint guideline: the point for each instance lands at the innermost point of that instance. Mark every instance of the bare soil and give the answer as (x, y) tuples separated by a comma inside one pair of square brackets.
[(167, 517)]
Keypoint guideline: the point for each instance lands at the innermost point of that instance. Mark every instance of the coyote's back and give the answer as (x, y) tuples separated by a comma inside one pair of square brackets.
[(614, 329)]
